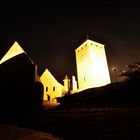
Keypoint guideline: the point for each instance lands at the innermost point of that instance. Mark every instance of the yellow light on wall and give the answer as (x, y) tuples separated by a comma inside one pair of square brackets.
[(99, 66), (51, 86), (92, 68)]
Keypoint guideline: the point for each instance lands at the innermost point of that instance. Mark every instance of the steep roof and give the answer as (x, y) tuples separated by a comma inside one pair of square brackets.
[(47, 74), (12, 52), (66, 77)]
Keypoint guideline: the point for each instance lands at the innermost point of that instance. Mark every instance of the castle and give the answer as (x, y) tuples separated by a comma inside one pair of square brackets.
[(92, 71)]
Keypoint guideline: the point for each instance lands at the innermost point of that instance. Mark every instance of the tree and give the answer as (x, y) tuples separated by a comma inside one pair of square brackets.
[(131, 71)]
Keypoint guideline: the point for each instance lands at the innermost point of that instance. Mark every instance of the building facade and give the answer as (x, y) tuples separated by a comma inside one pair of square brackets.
[(92, 67), (52, 88)]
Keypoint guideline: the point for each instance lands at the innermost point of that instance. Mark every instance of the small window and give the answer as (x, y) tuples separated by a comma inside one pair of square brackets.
[(96, 45), (84, 79), (91, 44), (85, 44), (53, 88), (46, 89)]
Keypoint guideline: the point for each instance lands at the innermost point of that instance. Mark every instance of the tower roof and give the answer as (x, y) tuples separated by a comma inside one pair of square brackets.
[(66, 77), (89, 41)]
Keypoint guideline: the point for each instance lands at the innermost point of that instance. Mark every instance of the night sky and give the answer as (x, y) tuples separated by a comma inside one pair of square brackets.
[(50, 32)]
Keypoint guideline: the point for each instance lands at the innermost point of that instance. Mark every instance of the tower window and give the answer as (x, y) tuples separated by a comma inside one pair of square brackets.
[(84, 79)]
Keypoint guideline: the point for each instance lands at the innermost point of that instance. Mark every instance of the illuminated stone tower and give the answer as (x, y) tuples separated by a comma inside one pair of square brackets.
[(92, 67)]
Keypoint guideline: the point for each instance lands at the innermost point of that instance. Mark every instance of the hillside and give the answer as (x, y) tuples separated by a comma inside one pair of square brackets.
[(121, 94), (110, 112)]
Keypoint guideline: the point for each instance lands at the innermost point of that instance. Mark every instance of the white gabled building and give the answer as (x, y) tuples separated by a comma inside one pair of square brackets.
[(52, 88)]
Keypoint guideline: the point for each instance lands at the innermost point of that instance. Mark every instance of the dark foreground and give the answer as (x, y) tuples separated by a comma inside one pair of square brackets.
[(84, 123), (10, 132)]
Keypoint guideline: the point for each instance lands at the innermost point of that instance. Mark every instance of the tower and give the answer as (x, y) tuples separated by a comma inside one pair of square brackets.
[(66, 82), (74, 83), (92, 67)]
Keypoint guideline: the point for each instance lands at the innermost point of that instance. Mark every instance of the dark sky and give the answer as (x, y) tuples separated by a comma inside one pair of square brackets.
[(50, 31)]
